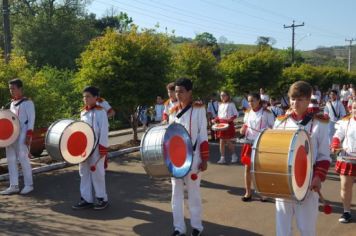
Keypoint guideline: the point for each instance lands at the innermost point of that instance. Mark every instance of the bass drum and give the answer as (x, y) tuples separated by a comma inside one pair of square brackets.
[(167, 151), (281, 164), (9, 128), (70, 140)]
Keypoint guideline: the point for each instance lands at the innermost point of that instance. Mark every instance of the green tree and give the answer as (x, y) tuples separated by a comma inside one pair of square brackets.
[(51, 32), (249, 71), (129, 68), (200, 65), (205, 40)]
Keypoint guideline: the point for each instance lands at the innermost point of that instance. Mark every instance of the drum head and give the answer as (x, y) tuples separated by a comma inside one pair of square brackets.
[(77, 142), (178, 150), (220, 127), (9, 128), (300, 164)]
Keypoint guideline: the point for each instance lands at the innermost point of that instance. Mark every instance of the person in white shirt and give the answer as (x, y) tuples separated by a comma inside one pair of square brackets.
[(169, 103), (285, 102), (264, 98), (107, 107), (335, 110), (24, 109), (92, 170), (212, 113), (276, 111), (345, 139), (255, 120), (227, 114), (244, 102), (305, 212), (159, 109), (192, 115), (345, 95)]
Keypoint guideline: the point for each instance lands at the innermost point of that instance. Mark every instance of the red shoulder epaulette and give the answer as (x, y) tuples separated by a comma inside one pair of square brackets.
[(100, 99), (167, 102), (282, 117), (174, 109), (321, 117), (347, 117)]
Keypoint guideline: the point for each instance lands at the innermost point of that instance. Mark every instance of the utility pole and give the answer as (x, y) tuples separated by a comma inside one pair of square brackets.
[(7, 36), (293, 26), (350, 45)]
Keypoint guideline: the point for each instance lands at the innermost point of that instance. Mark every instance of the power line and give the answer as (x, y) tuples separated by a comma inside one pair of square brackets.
[(350, 45), (293, 26)]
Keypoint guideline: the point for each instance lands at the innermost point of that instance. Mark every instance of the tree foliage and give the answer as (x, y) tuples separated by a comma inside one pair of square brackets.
[(250, 71), (130, 68), (200, 65)]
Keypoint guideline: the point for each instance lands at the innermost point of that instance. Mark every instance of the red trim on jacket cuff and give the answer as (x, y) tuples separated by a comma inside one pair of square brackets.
[(165, 116), (204, 151), (321, 169), (29, 133), (335, 143), (103, 150)]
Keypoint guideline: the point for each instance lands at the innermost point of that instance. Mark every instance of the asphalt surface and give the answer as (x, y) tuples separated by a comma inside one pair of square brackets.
[(140, 205)]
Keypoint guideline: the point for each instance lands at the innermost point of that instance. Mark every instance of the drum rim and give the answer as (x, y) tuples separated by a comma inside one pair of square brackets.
[(60, 138), (253, 153), (227, 126), (17, 121), (189, 150), (290, 164)]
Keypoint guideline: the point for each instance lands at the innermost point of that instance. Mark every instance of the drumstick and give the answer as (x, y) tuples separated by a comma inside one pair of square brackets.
[(326, 207), (253, 129)]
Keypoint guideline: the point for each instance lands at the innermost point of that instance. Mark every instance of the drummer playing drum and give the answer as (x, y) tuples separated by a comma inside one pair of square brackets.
[(255, 120), (306, 212), (346, 162), (92, 170), (25, 111), (192, 116)]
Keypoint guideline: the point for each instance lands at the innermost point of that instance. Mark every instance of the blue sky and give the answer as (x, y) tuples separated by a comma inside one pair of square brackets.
[(327, 22)]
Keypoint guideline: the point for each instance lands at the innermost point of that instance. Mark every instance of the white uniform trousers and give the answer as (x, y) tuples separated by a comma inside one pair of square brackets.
[(194, 202), (92, 183), (332, 130), (306, 214), (19, 151)]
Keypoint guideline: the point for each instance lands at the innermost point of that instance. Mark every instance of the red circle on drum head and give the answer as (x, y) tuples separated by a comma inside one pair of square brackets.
[(177, 151), (77, 143), (300, 166), (6, 129)]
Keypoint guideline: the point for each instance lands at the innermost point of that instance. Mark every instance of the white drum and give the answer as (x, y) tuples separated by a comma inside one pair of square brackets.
[(9, 128), (70, 140)]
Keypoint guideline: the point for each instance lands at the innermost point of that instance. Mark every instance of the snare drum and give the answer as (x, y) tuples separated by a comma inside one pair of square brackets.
[(9, 128), (282, 164), (70, 140), (167, 151), (220, 127)]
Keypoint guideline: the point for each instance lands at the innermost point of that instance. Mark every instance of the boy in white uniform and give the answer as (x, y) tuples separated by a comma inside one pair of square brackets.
[(305, 212), (335, 110), (193, 117), (92, 180), (24, 109)]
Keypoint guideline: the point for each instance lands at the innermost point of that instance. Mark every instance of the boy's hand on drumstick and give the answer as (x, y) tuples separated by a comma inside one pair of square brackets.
[(243, 129), (203, 165), (316, 184)]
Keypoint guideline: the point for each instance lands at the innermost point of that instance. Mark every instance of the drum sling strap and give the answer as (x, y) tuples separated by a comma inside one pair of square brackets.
[(332, 107), (306, 119), (19, 103), (212, 104)]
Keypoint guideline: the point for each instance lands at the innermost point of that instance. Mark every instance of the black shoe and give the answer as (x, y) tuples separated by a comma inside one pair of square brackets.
[(177, 233), (264, 199), (196, 232), (100, 204), (246, 199), (82, 204), (345, 218)]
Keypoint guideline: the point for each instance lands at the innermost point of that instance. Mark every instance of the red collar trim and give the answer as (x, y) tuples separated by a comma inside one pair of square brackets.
[(87, 108), (294, 116)]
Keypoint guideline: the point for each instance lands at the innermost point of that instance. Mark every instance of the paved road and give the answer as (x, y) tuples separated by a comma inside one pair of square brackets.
[(141, 206)]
